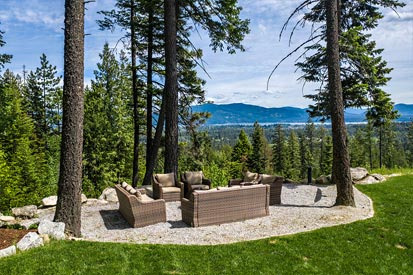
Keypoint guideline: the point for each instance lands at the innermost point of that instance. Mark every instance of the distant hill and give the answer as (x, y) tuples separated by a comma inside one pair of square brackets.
[(239, 113)]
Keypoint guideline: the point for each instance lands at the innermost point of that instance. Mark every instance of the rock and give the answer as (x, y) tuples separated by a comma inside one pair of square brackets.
[(109, 194), (28, 211), (45, 237), (370, 179), (358, 173), (378, 177), (11, 250), (7, 219), (323, 180), (55, 230), (30, 240), (49, 201), (95, 202), (84, 198), (31, 222)]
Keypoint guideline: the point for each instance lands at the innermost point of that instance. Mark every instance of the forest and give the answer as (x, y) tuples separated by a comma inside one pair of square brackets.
[(124, 111)]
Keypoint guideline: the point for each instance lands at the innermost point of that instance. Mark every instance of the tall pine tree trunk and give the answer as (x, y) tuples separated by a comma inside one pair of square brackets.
[(149, 100), (135, 175), (171, 86), (341, 162), (68, 208)]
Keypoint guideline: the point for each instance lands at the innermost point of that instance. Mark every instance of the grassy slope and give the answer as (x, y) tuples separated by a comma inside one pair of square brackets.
[(381, 245)]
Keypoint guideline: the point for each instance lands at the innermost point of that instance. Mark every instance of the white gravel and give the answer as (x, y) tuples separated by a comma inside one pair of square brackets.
[(303, 208)]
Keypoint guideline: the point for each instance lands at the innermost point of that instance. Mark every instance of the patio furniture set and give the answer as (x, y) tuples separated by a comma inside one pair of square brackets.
[(243, 199)]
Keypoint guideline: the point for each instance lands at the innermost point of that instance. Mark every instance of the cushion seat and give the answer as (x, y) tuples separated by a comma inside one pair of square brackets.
[(171, 189)]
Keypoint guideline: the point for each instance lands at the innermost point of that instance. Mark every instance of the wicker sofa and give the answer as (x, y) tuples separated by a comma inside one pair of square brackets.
[(228, 204), (140, 211)]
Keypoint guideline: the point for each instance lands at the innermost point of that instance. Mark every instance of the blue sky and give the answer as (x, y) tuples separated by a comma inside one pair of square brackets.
[(33, 27)]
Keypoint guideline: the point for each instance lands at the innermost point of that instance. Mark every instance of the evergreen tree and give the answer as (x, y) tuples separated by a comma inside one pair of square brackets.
[(327, 156), (4, 58), (358, 155), (293, 164), (108, 125), (258, 159), (23, 162), (242, 150), (279, 149), (410, 144)]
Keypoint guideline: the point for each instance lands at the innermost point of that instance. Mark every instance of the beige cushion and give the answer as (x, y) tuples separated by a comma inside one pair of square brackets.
[(194, 177), (250, 177), (133, 191), (267, 179), (124, 184), (166, 179), (128, 187), (138, 195), (171, 189)]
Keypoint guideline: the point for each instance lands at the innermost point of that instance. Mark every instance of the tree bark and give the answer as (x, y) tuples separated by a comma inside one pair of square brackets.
[(149, 100), (341, 162), (150, 165), (171, 86), (135, 174), (68, 208)]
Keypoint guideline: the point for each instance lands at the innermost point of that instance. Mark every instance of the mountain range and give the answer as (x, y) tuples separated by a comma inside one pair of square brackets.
[(239, 113)]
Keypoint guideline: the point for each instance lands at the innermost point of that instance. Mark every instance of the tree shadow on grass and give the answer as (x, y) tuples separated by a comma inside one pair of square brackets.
[(113, 220)]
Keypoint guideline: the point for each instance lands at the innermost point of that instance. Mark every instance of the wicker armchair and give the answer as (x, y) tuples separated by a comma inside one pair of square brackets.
[(249, 179), (139, 210), (166, 187), (194, 181), (275, 183)]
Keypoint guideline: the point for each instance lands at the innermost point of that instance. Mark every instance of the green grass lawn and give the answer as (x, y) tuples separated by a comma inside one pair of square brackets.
[(381, 245)]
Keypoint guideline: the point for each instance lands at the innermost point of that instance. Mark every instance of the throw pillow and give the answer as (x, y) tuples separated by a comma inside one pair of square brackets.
[(250, 177), (194, 177), (167, 180), (133, 191), (124, 184)]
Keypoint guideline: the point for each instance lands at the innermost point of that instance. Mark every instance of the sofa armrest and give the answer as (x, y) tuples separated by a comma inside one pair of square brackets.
[(234, 182), (181, 186), (157, 191)]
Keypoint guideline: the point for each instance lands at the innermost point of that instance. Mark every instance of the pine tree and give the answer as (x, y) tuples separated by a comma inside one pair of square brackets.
[(23, 162), (279, 150), (108, 125), (4, 58), (358, 154), (43, 97), (257, 160), (410, 144), (293, 164), (242, 150)]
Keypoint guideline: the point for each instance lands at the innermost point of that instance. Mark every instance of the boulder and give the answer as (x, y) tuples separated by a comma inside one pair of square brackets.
[(109, 194), (28, 211), (370, 179), (95, 202), (323, 179), (358, 173), (378, 177), (30, 240), (7, 219), (49, 201), (55, 230), (11, 250), (83, 198)]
